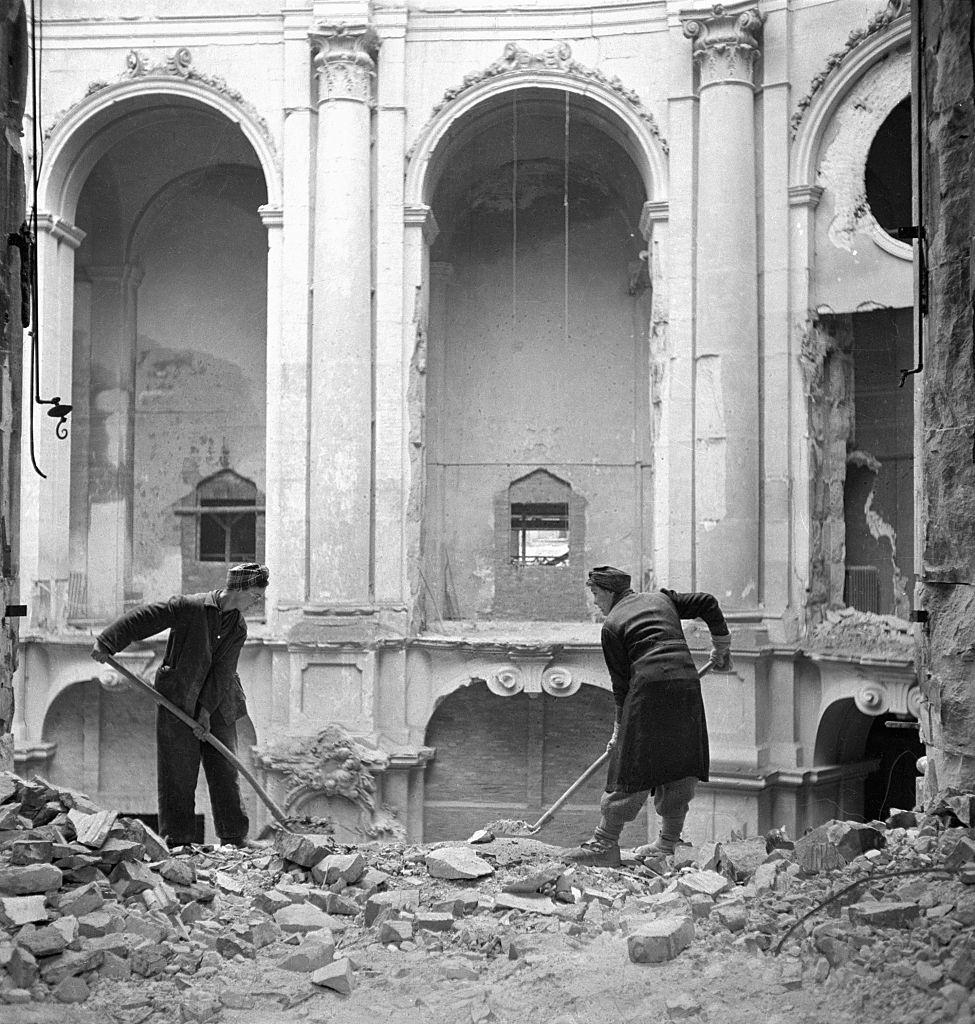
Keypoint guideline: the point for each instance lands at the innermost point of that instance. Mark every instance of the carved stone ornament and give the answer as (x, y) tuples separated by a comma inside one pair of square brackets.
[(556, 59), (177, 65), (900, 697), (533, 675), (343, 58), (878, 23), (726, 43)]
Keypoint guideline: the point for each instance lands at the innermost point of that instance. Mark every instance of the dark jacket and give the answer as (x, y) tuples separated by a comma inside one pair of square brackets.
[(663, 734), (200, 665)]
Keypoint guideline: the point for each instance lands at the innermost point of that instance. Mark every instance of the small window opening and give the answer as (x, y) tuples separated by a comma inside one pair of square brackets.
[(229, 535), (539, 533)]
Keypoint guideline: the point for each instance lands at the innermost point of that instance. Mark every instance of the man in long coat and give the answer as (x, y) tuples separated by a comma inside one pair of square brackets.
[(659, 744), (199, 674)]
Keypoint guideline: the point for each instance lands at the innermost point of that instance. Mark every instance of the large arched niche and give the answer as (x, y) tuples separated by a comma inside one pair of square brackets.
[(512, 757), (539, 313)]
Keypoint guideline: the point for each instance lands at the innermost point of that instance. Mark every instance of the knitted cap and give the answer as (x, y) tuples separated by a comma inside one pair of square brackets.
[(247, 575)]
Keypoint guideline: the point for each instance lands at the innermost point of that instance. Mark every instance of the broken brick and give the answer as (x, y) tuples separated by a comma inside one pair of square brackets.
[(653, 942)]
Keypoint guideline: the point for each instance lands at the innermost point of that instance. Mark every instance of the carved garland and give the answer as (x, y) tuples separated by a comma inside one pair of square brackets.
[(878, 23), (178, 65), (517, 59)]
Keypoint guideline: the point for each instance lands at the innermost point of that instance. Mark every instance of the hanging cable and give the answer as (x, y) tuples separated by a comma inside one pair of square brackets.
[(565, 228), (514, 208)]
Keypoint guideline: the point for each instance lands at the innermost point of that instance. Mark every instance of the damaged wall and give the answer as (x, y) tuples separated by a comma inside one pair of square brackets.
[(946, 646), (13, 58)]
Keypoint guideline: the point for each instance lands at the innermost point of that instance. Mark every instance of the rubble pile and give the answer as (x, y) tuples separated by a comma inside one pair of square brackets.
[(95, 909)]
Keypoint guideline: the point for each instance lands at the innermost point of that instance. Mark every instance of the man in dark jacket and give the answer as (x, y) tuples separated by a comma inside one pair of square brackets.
[(199, 674), (660, 740)]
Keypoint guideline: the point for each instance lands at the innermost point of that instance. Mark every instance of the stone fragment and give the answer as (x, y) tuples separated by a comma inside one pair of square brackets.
[(68, 964), (17, 996), (955, 802), (395, 932), (731, 915), (967, 874), (303, 849), (150, 958), (886, 914), (9, 817), (482, 835), (535, 880), (338, 903), (457, 863), (113, 851), (197, 1007), (791, 977), (260, 933), (301, 918), (31, 851), (348, 867), (370, 882), (22, 967), (740, 859), (226, 882), (901, 819), (337, 976), (706, 883), (652, 942), (155, 846), (114, 967), (80, 901), (71, 990), (682, 1006), (129, 879), (433, 921), (701, 906), (231, 945), (929, 975), (961, 968), (835, 844), (272, 901), (314, 952), (395, 899), (42, 942), (531, 904), (961, 853), (92, 829), (683, 856), (178, 870), (30, 879)]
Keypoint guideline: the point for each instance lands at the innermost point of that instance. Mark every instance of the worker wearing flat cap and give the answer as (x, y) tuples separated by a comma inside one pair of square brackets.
[(198, 674), (659, 744)]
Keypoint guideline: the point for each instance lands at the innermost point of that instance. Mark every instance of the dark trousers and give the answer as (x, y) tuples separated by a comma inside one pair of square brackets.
[(178, 757)]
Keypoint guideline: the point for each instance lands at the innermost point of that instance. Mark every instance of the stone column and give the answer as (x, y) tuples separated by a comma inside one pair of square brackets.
[(45, 501), (111, 437), (341, 399), (727, 398)]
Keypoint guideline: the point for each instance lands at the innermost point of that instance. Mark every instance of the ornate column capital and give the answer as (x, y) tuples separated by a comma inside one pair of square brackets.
[(726, 42), (343, 57)]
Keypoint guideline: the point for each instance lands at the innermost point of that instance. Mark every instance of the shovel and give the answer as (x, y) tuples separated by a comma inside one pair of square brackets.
[(207, 738), (522, 830)]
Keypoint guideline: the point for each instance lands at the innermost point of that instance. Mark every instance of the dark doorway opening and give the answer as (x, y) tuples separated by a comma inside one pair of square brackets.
[(892, 783)]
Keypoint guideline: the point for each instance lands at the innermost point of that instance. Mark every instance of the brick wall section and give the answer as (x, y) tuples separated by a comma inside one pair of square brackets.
[(13, 70), (946, 650)]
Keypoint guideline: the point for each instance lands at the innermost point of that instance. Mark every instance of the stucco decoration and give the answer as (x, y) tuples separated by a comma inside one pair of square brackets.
[(332, 764), (885, 17), (178, 65), (726, 43), (533, 674), (343, 58), (557, 59)]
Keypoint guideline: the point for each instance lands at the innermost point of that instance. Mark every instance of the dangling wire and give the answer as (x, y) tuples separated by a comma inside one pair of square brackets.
[(514, 208), (565, 228), (28, 246)]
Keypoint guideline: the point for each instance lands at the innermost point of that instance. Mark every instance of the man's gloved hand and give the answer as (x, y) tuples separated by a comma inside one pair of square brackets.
[(721, 653), (202, 729), (100, 653), (613, 738)]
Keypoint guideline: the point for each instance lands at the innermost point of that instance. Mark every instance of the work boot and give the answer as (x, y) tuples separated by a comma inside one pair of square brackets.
[(595, 852), (659, 848)]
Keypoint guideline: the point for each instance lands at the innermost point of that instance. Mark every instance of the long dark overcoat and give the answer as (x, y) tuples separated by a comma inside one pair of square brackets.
[(663, 734)]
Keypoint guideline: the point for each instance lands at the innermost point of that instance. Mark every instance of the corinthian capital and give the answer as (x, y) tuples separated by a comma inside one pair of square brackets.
[(726, 42), (343, 56)]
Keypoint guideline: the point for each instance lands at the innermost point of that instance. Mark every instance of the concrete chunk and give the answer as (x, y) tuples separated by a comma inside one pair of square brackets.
[(84, 900), (68, 964), (653, 942), (707, 883), (433, 921), (92, 829), (395, 899), (337, 976), (31, 851), (30, 879), (348, 867), (457, 863), (301, 918), (42, 942), (961, 853), (71, 990), (129, 879), (741, 859), (16, 911), (313, 953), (395, 932), (306, 850)]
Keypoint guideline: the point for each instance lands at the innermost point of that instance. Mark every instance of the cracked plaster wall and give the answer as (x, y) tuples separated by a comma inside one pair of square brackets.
[(946, 649)]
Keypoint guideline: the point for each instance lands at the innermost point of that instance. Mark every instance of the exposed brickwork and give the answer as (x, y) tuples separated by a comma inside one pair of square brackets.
[(947, 648), (13, 59)]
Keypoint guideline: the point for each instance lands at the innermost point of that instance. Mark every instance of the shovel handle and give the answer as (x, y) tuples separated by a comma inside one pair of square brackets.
[(207, 738)]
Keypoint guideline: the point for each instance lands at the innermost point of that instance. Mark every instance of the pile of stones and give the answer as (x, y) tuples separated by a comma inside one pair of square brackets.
[(94, 908)]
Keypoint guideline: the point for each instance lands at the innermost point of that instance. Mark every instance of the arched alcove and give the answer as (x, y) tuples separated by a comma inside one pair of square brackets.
[(513, 757), (537, 342)]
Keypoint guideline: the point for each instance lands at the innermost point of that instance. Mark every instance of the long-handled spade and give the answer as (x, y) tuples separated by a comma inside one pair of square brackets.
[(207, 738), (522, 830)]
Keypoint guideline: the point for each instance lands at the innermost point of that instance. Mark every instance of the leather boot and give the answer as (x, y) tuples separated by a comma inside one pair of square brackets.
[(595, 852)]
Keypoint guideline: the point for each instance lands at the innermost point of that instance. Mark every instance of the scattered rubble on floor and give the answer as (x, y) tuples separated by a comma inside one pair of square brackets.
[(95, 909)]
